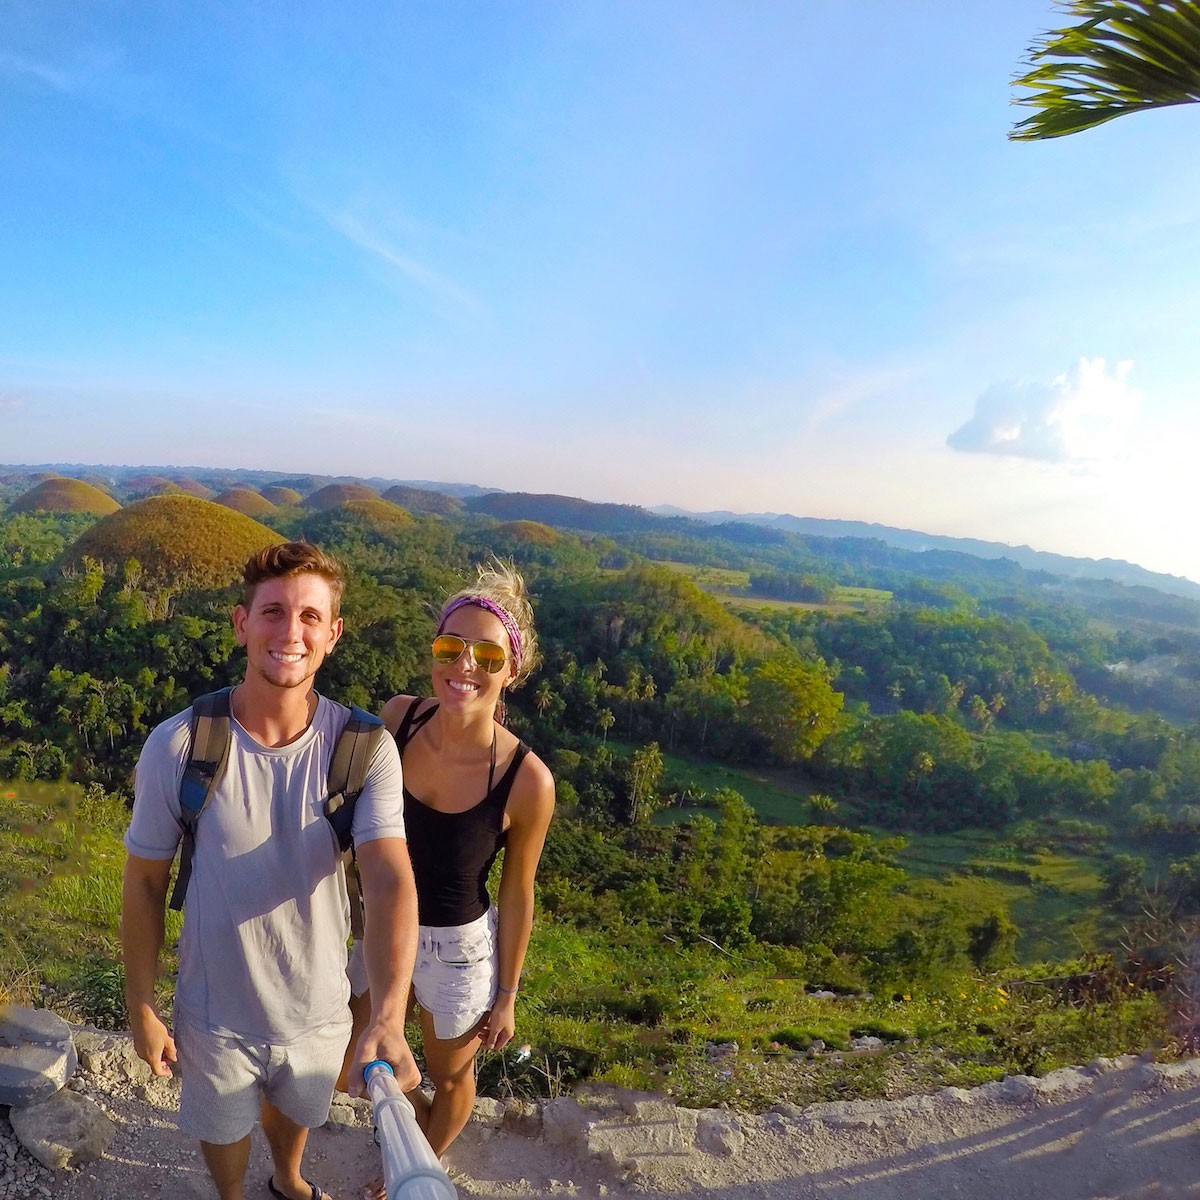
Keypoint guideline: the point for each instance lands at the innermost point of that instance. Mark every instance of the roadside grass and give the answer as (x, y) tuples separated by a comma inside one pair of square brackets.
[(60, 900), (634, 1007), (614, 999)]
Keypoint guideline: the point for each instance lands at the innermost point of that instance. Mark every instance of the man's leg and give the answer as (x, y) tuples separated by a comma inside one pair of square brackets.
[(227, 1166), (360, 1012), (286, 1140)]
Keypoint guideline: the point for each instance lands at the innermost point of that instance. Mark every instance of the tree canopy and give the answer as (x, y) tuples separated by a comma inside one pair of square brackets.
[(1122, 56)]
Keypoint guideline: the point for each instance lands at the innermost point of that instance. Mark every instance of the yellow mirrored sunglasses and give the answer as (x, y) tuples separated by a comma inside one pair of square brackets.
[(488, 656)]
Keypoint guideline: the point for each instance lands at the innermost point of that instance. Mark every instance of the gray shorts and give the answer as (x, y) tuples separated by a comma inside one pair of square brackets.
[(356, 968), (225, 1077), (455, 976)]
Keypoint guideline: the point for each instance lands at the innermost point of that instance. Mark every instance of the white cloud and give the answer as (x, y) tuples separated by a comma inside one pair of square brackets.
[(441, 287), (1085, 415), (11, 404), (54, 77)]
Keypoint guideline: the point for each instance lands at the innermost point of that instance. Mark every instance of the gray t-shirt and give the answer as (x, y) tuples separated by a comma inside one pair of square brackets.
[(262, 954)]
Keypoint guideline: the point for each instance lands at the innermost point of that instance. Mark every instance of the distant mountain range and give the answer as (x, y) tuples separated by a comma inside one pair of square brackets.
[(1066, 566), (585, 515)]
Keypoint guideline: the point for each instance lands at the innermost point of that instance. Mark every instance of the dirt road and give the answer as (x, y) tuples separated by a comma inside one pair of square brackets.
[(1124, 1129)]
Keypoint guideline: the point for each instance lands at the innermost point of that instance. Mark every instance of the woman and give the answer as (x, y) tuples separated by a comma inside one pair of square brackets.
[(470, 789)]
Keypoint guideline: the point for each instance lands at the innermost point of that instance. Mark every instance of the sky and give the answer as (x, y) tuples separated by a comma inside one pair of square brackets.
[(746, 255)]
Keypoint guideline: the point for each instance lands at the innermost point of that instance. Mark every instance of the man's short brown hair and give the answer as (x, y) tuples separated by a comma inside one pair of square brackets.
[(293, 558)]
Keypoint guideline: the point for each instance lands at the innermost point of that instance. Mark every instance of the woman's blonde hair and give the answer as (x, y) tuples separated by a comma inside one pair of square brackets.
[(499, 586)]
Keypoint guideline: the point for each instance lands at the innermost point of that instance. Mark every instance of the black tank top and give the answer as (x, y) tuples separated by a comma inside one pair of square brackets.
[(452, 853)]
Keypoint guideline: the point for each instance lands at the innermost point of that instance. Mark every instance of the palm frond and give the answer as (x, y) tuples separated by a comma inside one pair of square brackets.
[(1123, 56)]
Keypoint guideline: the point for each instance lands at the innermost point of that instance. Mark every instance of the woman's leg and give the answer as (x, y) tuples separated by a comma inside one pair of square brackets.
[(450, 1064)]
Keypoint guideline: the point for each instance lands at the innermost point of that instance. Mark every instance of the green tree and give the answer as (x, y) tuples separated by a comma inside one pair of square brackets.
[(645, 773), (792, 706), (1122, 56)]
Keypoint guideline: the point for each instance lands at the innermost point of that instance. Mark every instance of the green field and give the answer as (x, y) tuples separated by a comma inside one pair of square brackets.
[(778, 796), (732, 588)]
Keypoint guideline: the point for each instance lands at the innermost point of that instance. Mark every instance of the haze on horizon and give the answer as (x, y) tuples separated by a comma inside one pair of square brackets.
[(769, 258)]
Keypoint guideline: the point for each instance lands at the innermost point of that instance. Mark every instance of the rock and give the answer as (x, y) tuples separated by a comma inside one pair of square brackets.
[(718, 1051), (791, 1111), (37, 1056), (1063, 1084), (645, 1108), (347, 1113), (1016, 1089), (564, 1122), (1178, 1074), (720, 1133), (489, 1112), (110, 1053), (523, 1117), (64, 1131), (816, 1046), (867, 1042)]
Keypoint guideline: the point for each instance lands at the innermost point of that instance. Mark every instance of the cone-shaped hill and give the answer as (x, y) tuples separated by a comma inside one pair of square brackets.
[(246, 501), (178, 540), (422, 500), (379, 513), (60, 494), (194, 487), (340, 493), (281, 495), (533, 532), (380, 517), (143, 485)]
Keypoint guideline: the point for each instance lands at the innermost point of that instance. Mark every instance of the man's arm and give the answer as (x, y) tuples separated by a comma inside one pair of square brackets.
[(390, 948), (143, 902)]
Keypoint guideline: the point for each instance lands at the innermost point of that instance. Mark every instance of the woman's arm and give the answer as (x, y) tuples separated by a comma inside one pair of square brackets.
[(530, 808)]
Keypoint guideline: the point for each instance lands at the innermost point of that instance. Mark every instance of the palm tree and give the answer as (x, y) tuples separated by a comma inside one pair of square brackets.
[(1122, 57)]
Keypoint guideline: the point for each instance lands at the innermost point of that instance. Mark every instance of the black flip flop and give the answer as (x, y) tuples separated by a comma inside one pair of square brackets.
[(317, 1192)]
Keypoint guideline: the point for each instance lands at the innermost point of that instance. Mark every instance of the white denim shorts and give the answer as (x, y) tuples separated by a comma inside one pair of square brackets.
[(456, 973), (225, 1077)]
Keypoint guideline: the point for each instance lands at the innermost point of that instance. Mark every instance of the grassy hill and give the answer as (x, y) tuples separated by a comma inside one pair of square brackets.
[(378, 513), (340, 493), (246, 501), (420, 500), (65, 495), (281, 496), (178, 540)]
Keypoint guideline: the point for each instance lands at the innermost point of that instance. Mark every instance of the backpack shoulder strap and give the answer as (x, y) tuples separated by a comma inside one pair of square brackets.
[(348, 767), (208, 751)]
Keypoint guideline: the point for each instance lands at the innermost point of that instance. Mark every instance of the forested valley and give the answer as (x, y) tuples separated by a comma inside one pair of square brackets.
[(902, 819)]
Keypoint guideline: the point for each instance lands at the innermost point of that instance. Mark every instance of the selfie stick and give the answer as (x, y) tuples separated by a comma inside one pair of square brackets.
[(411, 1170)]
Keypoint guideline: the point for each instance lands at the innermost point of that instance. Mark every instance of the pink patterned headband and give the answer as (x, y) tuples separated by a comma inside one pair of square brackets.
[(510, 626)]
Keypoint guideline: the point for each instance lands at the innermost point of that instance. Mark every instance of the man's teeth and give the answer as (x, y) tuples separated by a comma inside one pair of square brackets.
[(286, 658)]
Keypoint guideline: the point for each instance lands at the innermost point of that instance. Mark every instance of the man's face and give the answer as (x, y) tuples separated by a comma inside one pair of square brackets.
[(288, 629)]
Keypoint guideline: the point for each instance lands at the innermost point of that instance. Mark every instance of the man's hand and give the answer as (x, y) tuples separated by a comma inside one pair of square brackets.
[(152, 1040), (386, 1042)]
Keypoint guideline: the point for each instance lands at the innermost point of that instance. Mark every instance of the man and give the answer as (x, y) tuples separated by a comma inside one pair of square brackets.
[(261, 1015)]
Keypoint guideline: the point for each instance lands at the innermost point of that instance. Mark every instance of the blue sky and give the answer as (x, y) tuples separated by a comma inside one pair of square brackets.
[(751, 256)]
